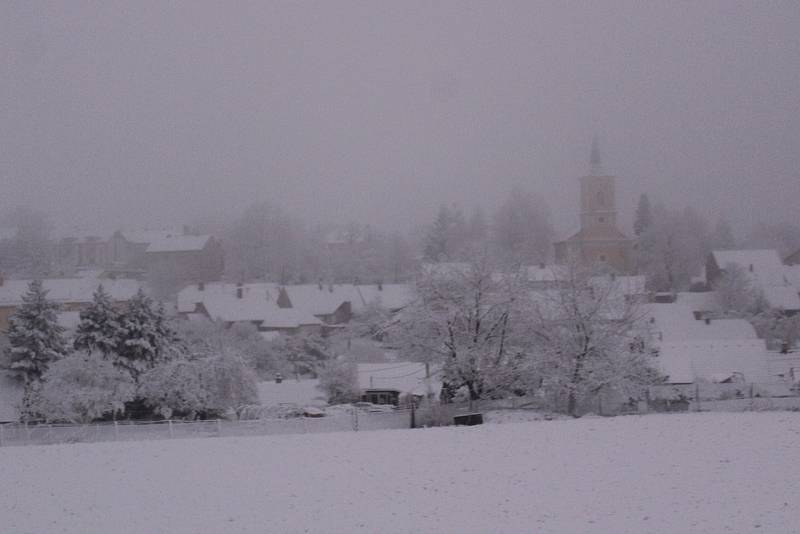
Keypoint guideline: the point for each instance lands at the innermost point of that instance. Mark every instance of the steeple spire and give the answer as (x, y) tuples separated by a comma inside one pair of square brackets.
[(595, 166)]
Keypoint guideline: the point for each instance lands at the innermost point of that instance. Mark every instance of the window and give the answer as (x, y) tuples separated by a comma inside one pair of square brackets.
[(601, 219)]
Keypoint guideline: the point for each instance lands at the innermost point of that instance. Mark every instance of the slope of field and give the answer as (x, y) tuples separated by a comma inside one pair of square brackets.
[(708, 472)]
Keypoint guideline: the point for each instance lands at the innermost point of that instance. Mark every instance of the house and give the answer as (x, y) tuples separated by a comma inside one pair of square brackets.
[(330, 303), (245, 303), (691, 349), (73, 294), (389, 383), (765, 270), (181, 258)]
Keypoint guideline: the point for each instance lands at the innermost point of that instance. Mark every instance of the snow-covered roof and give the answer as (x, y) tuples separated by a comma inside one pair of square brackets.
[(388, 296), (405, 377), (231, 309), (191, 295), (144, 237), (321, 299), (544, 273), (782, 297), (685, 362), (291, 391), (705, 301), (765, 266), (178, 243), (690, 348), (65, 290), (677, 323)]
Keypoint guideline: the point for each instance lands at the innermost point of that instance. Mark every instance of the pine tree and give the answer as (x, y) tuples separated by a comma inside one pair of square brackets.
[(436, 241), (145, 336), (99, 328), (34, 336), (644, 218)]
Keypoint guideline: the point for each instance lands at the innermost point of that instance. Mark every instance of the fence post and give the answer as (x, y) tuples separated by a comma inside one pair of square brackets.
[(413, 415), (28, 432), (219, 428), (1, 435), (116, 431), (169, 423), (355, 418)]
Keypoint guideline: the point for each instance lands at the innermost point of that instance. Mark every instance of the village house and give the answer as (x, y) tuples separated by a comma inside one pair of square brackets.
[(396, 382), (245, 303), (690, 349), (765, 271)]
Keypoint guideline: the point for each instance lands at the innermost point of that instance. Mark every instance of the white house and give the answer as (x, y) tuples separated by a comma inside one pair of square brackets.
[(691, 349)]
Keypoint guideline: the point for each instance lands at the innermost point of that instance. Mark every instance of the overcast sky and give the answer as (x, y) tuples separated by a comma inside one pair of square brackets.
[(148, 113)]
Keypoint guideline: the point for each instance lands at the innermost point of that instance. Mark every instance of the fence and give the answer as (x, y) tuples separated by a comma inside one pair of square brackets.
[(352, 419), (708, 396)]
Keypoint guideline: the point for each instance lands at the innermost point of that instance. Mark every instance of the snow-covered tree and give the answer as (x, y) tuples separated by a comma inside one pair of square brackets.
[(206, 387), (586, 338), (338, 379), (146, 337), (438, 244), (83, 387), (35, 339), (465, 320), (737, 295), (99, 328), (672, 249), (722, 237), (522, 231)]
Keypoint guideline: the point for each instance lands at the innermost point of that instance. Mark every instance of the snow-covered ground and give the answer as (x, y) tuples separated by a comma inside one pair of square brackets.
[(707, 472)]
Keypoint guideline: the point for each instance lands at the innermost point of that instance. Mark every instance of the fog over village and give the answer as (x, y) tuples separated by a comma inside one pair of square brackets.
[(399, 266)]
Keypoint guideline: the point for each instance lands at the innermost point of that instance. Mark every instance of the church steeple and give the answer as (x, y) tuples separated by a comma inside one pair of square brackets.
[(595, 165)]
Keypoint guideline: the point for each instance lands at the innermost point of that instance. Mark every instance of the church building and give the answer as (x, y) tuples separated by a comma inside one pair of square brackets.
[(599, 241)]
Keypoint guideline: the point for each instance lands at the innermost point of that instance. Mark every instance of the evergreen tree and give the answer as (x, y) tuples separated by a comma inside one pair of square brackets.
[(722, 237), (145, 336), (99, 328), (436, 240), (643, 218), (35, 339)]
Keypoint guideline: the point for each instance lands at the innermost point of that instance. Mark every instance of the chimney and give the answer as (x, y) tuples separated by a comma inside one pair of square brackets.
[(708, 320), (201, 286), (380, 286), (319, 284), (751, 267), (239, 292)]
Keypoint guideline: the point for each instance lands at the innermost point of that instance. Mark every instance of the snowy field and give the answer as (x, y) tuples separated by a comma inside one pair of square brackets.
[(704, 473)]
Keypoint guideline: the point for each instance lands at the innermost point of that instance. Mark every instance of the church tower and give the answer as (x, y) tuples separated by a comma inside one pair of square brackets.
[(599, 241)]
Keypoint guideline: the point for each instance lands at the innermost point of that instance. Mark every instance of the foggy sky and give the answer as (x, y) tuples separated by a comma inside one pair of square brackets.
[(149, 113)]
